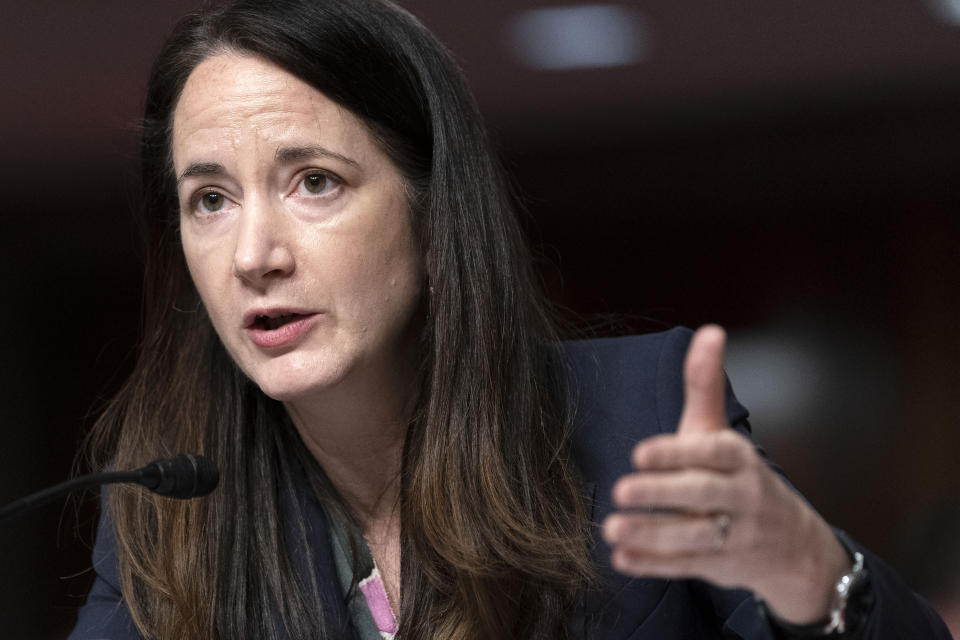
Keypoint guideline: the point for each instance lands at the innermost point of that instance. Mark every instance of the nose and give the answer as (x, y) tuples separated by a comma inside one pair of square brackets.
[(264, 250)]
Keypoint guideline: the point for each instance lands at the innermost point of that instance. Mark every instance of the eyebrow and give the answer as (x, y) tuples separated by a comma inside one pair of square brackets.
[(200, 169), (286, 155)]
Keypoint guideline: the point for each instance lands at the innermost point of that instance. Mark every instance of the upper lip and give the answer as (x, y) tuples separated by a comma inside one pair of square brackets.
[(250, 317)]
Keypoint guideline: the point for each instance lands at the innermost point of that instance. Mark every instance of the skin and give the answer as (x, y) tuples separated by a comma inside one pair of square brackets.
[(324, 232), (777, 545)]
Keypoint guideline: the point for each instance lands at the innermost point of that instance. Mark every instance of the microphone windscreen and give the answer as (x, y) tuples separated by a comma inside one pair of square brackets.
[(182, 476)]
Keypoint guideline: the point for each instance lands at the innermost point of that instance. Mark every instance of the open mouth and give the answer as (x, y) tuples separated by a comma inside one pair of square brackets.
[(270, 323)]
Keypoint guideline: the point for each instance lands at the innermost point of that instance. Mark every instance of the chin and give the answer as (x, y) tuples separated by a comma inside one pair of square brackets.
[(287, 381), (288, 391), (281, 393)]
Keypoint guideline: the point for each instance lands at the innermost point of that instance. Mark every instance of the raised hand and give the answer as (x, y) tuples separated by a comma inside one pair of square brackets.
[(703, 504)]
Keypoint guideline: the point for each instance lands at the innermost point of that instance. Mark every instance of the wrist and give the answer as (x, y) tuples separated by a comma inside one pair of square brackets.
[(849, 603), (803, 589)]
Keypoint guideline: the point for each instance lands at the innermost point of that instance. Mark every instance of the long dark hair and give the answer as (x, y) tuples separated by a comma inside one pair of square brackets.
[(494, 530)]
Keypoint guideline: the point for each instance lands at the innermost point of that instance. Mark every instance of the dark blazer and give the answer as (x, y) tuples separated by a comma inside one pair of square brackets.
[(626, 389)]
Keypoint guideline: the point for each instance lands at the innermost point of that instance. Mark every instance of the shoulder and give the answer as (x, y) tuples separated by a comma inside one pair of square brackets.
[(629, 374), (649, 346), (622, 390)]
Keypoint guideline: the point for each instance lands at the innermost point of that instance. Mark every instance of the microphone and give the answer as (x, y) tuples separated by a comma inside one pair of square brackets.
[(182, 476)]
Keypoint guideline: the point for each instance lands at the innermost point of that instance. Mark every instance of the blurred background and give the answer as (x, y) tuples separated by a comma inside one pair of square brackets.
[(785, 169)]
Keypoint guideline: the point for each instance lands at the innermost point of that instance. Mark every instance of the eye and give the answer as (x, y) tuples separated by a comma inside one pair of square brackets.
[(318, 183), (204, 203), (211, 201)]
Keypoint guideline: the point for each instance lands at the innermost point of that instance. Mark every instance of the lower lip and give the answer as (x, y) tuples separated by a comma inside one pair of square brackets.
[(285, 336)]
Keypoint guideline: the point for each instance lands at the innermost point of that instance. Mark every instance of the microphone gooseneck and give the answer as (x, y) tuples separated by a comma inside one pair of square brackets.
[(182, 476)]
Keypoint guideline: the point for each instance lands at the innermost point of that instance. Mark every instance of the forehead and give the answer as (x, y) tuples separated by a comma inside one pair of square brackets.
[(232, 99)]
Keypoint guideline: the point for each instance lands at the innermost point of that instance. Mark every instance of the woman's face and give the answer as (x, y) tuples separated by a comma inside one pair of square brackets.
[(295, 228)]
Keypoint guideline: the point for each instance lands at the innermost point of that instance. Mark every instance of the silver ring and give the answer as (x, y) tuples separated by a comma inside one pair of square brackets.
[(722, 523)]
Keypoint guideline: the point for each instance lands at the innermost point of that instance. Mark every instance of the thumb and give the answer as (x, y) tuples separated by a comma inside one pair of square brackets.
[(704, 382)]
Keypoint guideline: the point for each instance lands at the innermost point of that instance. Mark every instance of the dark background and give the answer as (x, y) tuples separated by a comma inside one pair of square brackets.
[(785, 169)]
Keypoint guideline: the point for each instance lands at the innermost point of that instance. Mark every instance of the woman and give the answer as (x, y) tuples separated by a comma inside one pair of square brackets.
[(341, 313)]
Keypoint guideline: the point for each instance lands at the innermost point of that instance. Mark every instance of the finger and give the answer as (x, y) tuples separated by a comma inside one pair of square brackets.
[(693, 491), (704, 383), (663, 535), (679, 565), (724, 451)]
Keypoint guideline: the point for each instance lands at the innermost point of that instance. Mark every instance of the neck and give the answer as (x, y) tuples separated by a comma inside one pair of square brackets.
[(356, 432)]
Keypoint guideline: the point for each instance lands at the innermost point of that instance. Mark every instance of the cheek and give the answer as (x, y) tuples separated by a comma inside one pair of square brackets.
[(195, 265), (382, 277), (203, 265), (402, 278)]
